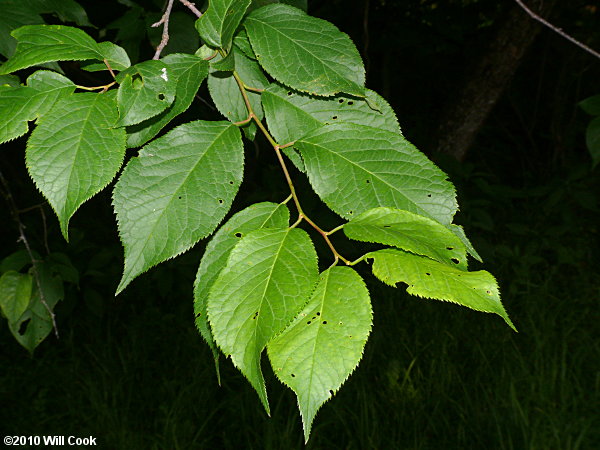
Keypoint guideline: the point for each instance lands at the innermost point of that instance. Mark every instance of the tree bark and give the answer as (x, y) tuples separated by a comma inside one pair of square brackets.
[(464, 117)]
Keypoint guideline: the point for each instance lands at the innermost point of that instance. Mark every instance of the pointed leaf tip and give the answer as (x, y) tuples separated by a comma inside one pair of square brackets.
[(268, 278), (214, 259), (324, 344), (74, 152), (431, 279)]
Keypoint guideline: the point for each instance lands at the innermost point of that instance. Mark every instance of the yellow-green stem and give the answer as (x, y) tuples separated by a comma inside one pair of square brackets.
[(277, 148)]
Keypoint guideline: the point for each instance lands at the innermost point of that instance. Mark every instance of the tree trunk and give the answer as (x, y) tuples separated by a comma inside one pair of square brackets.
[(462, 119)]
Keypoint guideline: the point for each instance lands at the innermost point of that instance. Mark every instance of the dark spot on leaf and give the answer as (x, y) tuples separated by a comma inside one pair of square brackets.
[(334, 117), (367, 181), (351, 103), (199, 314), (324, 322), (23, 326), (289, 92), (488, 292), (387, 226), (449, 248), (429, 195), (341, 100), (428, 274), (318, 314), (350, 336), (221, 201), (255, 315), (179, 197), (308, 323), (341, 323), (238, 234), (350, 212), (314, 317), (454, 260), (161, 96), (293, 376), (230, 182)]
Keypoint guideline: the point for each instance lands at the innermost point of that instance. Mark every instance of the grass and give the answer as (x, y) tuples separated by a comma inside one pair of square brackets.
[(135, 374)]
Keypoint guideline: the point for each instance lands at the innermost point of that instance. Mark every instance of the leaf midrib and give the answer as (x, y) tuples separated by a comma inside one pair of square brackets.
[(160, 216)]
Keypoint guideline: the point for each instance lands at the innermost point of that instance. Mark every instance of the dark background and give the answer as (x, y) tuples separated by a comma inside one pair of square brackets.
[(133, 372)]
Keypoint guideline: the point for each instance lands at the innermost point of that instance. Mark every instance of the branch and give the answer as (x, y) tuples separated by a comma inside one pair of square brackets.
[(14, 211), (192, 7), (557, 30), (164, 21), (277, 148)]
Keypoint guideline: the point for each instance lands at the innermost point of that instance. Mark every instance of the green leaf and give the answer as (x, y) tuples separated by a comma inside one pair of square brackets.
[(39, 44), (15, 293), (290, 115), (17, 261), (226, 95), (241, 41), (116, 56), (131, 30), (324, 344), (305, 53), (268, 278), (460, 233), (176, 192), (145, 92), (591, 105), (219, 63), (592, 139), (15, 14), (354, 168), (18, 105), (66, 10), (431, 279), (218, 24), (188, 71), (301, 4), (410, 232), (74, 152), (259, 215), (36, 323), (9, 81)]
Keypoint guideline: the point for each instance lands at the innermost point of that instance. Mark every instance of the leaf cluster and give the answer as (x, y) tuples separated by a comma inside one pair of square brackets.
[(270, 68)]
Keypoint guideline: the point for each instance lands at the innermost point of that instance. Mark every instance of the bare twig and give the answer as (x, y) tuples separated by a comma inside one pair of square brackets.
[(366, 37), (23, 238), (557, 30), (107, 64), (164, 21), (192, 7)]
